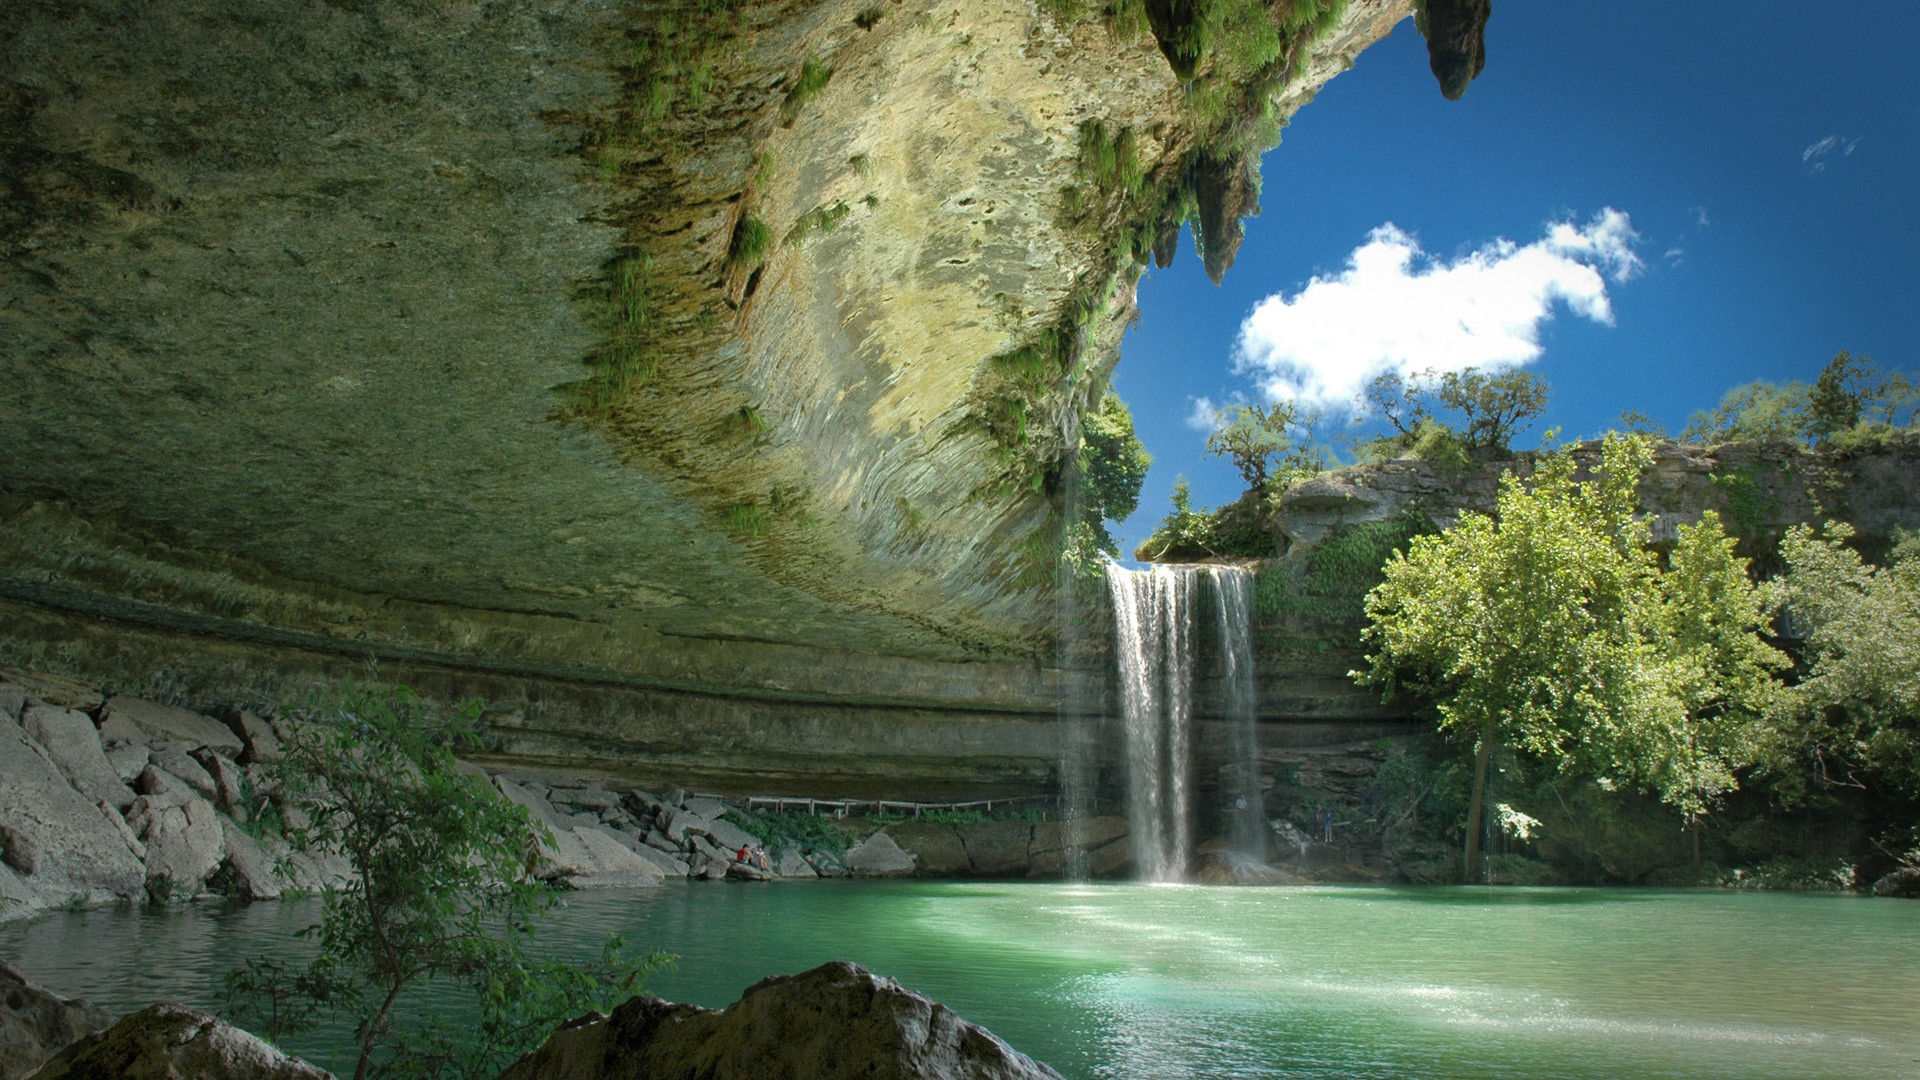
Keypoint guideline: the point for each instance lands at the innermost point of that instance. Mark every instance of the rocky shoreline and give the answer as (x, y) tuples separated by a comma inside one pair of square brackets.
[(107, 798)]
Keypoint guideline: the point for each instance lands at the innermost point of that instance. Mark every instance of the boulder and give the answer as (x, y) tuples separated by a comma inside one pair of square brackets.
[(877, 856), (58, 840), (609, 857), (679, 824), (249, 867), (182, 766), (741, 871), (260, 742), (658, 840), (837, 1021), (703, 807), (997, 848), (173, 1042), (936, 848), (13, 699), (229, 784), (1086, 833), (1903, 882), (184, 844), (73, 744), (561, 854), (36, 1023), (129, 760), (151, 720), (728, 836), (670, 865), (162, 787), (790, 863), (594, 799), (112, 814)]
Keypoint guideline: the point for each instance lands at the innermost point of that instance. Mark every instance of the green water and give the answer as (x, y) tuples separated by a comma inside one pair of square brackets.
[(1175, 981)]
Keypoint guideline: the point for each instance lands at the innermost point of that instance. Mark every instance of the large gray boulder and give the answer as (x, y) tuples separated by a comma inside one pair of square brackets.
[(185, 844), (836, 1022), (134, 720), (60, 842), (73, 744), (36, 1023), (13, 698), (877, 856), (173, 1042)]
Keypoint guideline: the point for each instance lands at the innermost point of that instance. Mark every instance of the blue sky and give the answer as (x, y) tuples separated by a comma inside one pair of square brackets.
[(1737, 189)]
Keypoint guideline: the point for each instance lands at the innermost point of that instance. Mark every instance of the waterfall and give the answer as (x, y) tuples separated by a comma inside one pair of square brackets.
[(1154, 614), (1234, 588)]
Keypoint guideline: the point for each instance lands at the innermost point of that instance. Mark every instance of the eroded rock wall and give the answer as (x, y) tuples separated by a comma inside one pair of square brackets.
[(431, 334)]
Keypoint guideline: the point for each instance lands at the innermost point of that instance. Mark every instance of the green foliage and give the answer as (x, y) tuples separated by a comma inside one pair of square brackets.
[(1854, 714), (751, 239), (820, 219), (1332, 582), (1109, 161), (1113, 467), (439, 894), (1748, 503), (784, 831), (748, 519), (1756, 411), (814, 76), (1553, 628), (1254, 438), (1852, 404), (1492, 409)]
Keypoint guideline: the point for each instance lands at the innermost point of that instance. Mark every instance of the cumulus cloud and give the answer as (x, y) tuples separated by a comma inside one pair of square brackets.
[(1396, 308), (1202, 414), (1821, 153)]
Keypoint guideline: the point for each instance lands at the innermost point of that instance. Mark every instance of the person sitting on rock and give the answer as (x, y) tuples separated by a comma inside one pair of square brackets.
[(760, 859), (743, 855)]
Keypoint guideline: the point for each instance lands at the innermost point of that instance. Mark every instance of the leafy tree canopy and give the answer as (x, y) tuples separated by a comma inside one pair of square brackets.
[(1553, 626), (440, 894), (1849, 394), (1255, 438), (1491, 410), (1854, 716)]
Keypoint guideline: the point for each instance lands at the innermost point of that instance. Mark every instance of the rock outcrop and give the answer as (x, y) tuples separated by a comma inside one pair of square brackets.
[(173, 1042), (36, 1023), (836, 1021), (655, 491)]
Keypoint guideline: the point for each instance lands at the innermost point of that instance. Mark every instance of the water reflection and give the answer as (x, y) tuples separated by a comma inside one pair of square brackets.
[(1131, 981)]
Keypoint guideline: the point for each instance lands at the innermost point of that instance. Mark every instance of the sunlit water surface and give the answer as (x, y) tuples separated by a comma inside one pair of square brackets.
[(1174, 981)]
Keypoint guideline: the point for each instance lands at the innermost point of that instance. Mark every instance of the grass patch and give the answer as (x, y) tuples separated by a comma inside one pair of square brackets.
[(814, 76), (748, 519), (819, 220), (781, 832), (751, 239)]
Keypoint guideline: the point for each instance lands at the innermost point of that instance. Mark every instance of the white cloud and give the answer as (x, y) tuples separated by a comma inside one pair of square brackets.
[(1202, 414), (1700, 217), (1817, 156), (1395, 308)]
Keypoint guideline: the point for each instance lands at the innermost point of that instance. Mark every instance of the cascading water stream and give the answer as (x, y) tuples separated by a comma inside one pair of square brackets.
[(1154, 612)]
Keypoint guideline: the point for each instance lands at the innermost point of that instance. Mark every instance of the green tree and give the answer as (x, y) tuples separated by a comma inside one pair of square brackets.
[(1755, 410), (1496, 407), (1256, 439), (1553, 627), (1854, 715), (440, 893), (1113, 467)]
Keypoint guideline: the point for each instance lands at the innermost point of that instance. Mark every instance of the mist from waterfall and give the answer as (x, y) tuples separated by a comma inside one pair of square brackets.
[(1155, 613)]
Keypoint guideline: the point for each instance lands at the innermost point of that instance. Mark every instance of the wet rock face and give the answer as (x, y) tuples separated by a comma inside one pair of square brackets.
[(175, 1041), (837, 1021), (36, 1023), (294, 287)]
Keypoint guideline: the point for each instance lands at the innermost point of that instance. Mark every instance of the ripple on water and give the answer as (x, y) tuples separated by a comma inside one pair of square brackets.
[(1178, 981)]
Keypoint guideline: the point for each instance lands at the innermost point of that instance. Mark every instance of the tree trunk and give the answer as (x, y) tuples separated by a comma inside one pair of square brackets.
[(1476, 807)]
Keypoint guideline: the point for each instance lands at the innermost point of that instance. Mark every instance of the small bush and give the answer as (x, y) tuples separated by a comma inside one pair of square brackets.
[(751, 239), (814, 76)]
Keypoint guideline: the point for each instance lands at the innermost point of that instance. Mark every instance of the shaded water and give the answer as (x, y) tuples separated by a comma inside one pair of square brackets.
[(1184, 981)]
